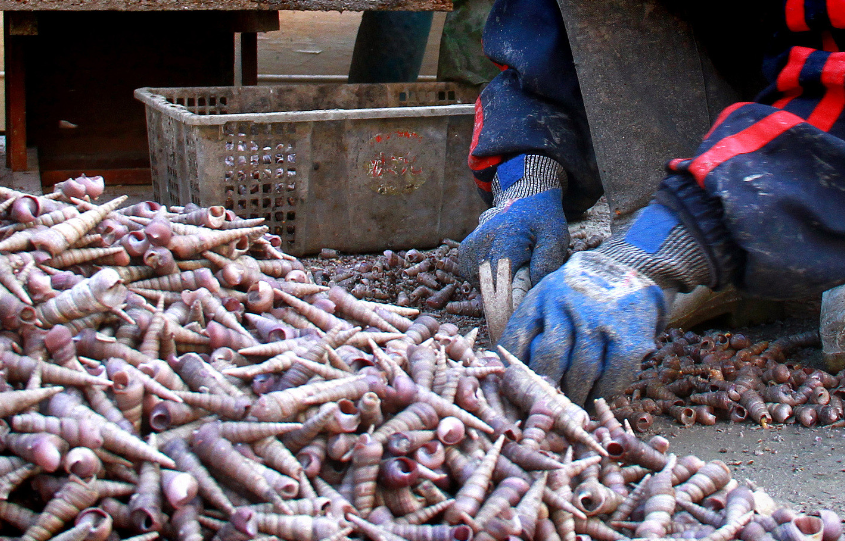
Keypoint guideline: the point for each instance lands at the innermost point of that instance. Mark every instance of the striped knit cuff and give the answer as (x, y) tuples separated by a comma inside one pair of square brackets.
[(703, 216), (679, 264), (539, 174)]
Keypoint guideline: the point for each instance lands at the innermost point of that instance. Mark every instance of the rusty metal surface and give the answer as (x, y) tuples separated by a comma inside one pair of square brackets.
[(188, 5), (641, 78), (654, 74)]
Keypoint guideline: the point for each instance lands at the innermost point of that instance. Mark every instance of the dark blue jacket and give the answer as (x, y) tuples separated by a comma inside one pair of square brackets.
[(765, 191)]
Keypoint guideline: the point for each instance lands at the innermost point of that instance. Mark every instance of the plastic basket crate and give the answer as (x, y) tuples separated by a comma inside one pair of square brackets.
[(358, 168)]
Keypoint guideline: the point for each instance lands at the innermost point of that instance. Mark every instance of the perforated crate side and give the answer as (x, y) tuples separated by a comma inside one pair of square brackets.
[(155, 143), (204, 101), (260, 170), (429, 94), (164, 133), (303, 177)]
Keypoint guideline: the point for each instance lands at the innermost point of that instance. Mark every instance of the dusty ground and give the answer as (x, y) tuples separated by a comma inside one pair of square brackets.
[(297, 49), (801, 466), (804, 467)]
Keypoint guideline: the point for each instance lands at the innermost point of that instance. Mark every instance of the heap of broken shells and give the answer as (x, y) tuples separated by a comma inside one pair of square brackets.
[(172, 373), (426, 279), (699, 379)]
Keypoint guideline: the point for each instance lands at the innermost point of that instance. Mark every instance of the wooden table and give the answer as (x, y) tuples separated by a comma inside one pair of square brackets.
[(72, 66), (225, 5)]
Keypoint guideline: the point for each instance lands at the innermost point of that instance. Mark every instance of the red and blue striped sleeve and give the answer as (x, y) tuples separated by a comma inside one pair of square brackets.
[(766, 188), (534, 105)]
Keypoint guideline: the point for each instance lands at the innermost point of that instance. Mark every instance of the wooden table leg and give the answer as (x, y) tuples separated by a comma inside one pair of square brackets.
[(249, 58), (15, 97)]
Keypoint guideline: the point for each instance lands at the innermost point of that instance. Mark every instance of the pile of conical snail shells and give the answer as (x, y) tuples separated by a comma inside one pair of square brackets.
[(173, 373)]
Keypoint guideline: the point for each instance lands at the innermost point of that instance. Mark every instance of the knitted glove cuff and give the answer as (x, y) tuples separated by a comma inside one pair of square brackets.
[(538, 174), (703, 216), (678, 263), (604, 277)]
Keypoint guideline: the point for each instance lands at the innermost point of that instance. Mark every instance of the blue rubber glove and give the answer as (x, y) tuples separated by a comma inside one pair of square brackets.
[(588, 325), (526, 223)]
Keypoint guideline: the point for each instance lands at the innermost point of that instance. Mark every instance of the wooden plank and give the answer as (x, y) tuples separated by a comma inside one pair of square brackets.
[(249, 58), (134, 176), (259, 5), (15, 97)]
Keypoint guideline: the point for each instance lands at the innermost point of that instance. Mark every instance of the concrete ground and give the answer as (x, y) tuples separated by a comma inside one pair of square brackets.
[(297, 50)]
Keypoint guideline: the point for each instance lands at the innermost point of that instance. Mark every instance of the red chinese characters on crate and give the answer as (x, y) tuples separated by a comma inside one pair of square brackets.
[(393, 166)]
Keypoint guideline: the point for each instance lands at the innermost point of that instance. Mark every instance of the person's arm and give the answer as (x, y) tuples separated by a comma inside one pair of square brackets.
[(531, 151), (759, 205)]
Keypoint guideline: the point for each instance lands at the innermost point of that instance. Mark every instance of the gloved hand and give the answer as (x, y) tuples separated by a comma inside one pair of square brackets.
[(526, 223), (588, 325)]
